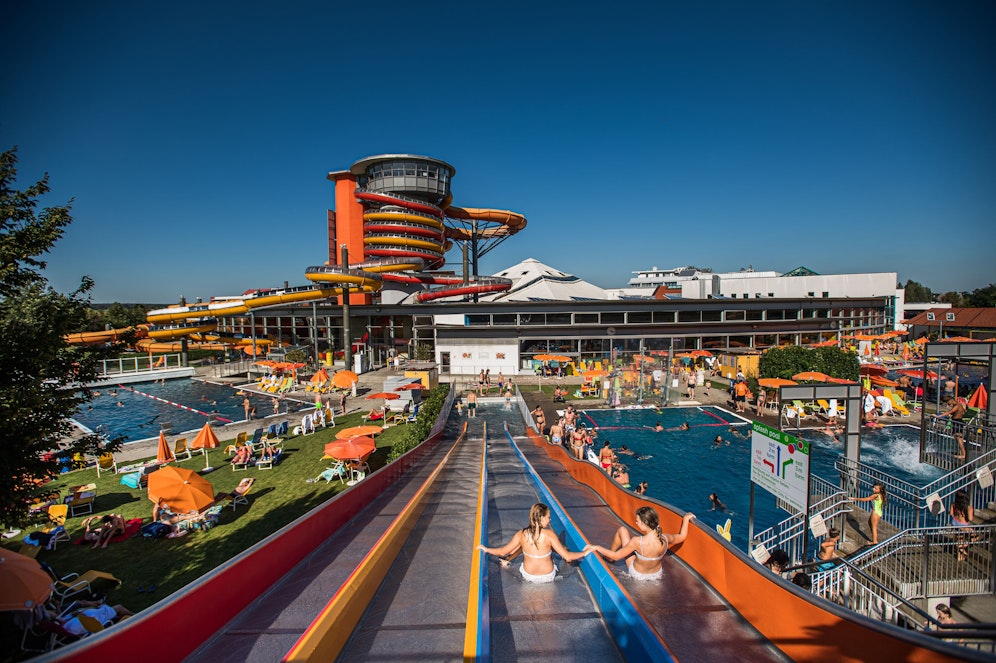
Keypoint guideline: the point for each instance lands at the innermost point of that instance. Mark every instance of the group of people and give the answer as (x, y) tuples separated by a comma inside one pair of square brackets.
[(484, 382), (644, 552)]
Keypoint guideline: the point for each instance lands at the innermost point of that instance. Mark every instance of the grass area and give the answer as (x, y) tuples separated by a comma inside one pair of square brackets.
[(278, 497)]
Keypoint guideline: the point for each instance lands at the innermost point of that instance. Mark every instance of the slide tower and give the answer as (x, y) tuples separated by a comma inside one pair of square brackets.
[(395, 220)]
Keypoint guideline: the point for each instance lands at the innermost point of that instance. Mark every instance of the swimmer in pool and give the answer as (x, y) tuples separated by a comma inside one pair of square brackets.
[(683, 426), (537, 543), (717, 504), (658, 428), (644, 553)]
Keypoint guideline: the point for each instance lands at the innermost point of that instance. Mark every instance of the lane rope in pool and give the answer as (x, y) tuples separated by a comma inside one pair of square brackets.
[(182, 407)]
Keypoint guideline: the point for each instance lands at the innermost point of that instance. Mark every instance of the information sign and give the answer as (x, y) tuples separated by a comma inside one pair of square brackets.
[(780, 465)]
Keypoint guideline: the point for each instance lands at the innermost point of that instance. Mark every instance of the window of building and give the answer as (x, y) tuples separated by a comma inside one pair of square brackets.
[(586, 318), (639, 317), (712, 316), (735, 315), (689, 316)]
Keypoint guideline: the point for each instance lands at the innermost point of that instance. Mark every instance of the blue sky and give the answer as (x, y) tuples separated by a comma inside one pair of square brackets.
[(195, 138)]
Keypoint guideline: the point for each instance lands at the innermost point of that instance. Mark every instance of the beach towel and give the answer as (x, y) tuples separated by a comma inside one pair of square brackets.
[(131, 528)]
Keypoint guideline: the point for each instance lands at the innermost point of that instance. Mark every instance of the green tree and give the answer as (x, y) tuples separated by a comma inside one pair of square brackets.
[(918, 293), (954, 298), (791, 360), (983, 297), (38, 365)]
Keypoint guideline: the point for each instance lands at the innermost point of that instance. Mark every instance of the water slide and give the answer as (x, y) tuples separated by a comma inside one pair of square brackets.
[(380, 565), (403, 237)]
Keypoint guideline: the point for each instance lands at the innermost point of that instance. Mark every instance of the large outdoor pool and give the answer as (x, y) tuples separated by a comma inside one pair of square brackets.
[(683, 467), (139, 416)]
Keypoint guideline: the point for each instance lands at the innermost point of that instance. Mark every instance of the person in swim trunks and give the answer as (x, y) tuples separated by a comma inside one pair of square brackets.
[(537, 543), (471, 405), (644, 553)]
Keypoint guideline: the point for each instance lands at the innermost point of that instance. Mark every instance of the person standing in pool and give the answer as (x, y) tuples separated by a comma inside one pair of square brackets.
[(246, 405), (644, 553), (471, 405), (537, 543)]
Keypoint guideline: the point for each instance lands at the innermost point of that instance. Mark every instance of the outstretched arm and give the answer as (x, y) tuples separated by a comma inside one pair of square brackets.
[(562, 551), (509, 547), (675, 539), (615, 555)]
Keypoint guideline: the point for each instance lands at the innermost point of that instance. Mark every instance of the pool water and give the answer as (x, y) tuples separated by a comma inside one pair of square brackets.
[(140, 417), (683, 467)]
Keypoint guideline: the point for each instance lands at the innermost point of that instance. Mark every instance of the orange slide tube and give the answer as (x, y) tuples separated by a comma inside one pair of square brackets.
[(793, 620)]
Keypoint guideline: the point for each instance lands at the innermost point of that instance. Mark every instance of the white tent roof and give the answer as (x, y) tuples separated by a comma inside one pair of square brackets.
[(534, 281)]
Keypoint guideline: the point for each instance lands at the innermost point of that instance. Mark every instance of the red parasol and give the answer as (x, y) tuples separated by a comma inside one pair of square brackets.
[(918, 373), (386, 395), (980, 398)]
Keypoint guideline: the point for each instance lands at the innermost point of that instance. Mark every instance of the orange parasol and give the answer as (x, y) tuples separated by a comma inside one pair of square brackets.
[(810, 376), (181, 489), (320, 376), (23, 582), (411, 387), (386, 395), (206, 439), (773, 383), (594, 375), (839, 380), (824, 344), (959, 339), (918, 373), (357, 431), (980, 398), (164, 454), (882, 382), (251, 351), (923, 340), (351, 448), (344, 379), (873, 369), (701, 353)]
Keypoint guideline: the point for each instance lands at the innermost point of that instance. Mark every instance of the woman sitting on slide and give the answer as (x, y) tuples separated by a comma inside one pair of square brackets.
[(537, 542), (648, 549)]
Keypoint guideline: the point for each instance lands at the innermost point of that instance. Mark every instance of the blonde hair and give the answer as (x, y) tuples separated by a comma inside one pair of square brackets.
[(537, 513)]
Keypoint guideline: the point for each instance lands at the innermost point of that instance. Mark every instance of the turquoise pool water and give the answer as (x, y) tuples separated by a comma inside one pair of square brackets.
[(139, 417), (683, 467)]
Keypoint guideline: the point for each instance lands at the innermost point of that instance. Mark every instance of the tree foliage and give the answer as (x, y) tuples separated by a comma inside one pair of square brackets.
[(115, 316), (956, 299), (791, 360), (41, 377), (916, 292), (983, 297)]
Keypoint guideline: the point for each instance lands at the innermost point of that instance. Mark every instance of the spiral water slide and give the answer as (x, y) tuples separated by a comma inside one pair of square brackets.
[(403, 236)]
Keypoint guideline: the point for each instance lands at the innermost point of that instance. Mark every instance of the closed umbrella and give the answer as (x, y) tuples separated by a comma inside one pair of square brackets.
[(980, 398), (23, 582), (164, 454), (351, 448), (181, 489), (206, 439), (320, 376)]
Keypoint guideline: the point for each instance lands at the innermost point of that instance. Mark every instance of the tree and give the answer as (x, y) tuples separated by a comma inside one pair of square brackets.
[(954, 298), (38, 365), (918, 293), (791, 360), (983, 297)]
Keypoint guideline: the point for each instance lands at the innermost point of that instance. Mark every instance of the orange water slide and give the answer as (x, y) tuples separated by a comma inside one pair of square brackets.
[(106, 336), (503, 222)]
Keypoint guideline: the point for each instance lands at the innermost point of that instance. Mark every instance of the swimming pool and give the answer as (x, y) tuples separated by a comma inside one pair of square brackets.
[(683, 467), (140, 417)]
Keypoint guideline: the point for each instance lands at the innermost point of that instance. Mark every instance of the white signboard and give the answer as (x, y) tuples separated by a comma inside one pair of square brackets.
[(984, 476), (779, 463)]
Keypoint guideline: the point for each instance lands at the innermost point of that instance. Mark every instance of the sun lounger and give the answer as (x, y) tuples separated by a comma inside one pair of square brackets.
[(897, 403), (336, 471)]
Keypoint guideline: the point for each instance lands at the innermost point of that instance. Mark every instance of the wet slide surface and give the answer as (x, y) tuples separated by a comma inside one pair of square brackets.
[(694, 621), (266, 629)]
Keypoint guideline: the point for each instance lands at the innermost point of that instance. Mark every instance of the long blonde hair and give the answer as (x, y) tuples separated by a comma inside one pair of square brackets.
[(537, 513), (649, 517)]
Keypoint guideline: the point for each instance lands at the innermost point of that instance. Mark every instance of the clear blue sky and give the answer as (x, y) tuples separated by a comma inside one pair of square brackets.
[(195, 139)]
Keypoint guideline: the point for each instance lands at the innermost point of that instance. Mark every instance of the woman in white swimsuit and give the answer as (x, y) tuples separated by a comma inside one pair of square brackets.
[(643, 553), (537, 544)]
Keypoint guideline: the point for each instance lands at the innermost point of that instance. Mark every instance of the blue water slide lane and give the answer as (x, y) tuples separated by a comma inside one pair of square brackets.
[(477, 642), (634, 636)]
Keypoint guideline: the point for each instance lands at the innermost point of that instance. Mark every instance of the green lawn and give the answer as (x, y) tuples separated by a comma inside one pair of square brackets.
[(278, 497)]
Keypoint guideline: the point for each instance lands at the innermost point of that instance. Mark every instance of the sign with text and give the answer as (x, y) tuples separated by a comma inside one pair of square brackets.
[(779, 463)]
